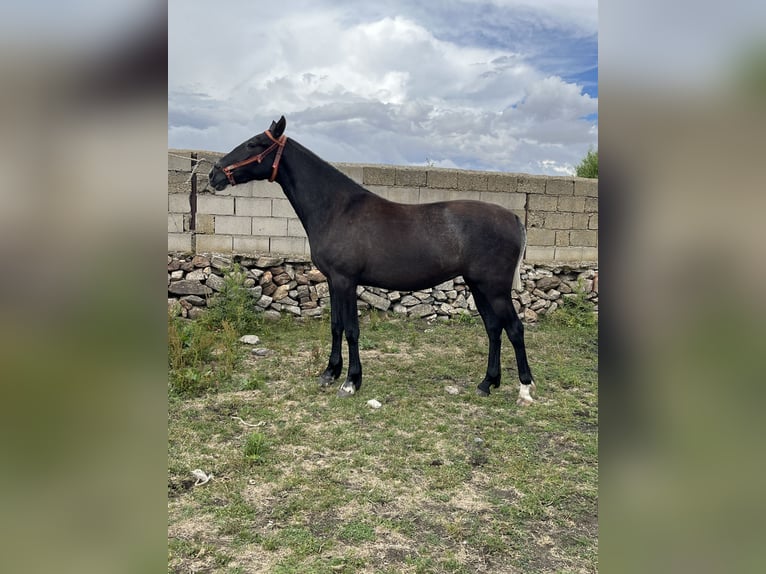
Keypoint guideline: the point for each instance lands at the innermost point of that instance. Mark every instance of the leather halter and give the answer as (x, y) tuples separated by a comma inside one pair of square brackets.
[(278, 143)]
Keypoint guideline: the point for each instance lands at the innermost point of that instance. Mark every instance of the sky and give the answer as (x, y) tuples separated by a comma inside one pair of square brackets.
[(501, 85)]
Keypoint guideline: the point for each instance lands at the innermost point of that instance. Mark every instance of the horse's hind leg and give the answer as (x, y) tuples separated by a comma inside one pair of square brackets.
[(494, 327), (496, 309), (515, 331)]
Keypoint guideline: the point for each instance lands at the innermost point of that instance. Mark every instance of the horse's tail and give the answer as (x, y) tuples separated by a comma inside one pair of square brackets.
[(517, 273)]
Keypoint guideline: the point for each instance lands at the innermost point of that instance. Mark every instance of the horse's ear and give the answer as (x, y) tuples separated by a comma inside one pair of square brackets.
[(278, 128)]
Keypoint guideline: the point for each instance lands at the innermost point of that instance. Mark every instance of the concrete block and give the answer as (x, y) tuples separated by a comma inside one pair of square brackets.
[(428, 195), (352, 170), (590, 254), (288, 245), (593, 221), (175, 222), (379, 175), (411, 176), (241, 190), (571, 204), (205, 223), (295, 228), (252, 206), (265, 188), (233, 225), (251, 245), (584, 238), (272, 226), (510, 201), (558, 221), (569, 254), (580, 221), (180, 242), (454, 194), (538, 237), (442, 178), (539, 254), (282, 208), (535, 219), (531, 184), (215, 205), (409, 195), (472, 180), (215, 243), (178, 182), (542, 202), (562, 238), (176, 163), (179, 203), (559, 186), (586, 187), (591, 204), (502, 182)]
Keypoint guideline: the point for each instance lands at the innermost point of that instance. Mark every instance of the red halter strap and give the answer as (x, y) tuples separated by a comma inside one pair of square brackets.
[(279, 144)]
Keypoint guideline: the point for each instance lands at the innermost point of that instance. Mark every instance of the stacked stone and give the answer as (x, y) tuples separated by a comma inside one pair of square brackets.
[(296, 287)]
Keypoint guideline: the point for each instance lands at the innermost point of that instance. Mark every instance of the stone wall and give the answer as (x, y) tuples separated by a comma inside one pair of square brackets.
[(561, 213), (294, 286)]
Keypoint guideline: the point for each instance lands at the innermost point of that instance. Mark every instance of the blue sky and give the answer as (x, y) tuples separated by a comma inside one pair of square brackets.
[(506, 85)]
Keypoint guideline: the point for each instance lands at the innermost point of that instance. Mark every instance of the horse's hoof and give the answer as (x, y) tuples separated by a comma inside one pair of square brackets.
[(347, 389), (481, 392), (525, 397), (326, 380)]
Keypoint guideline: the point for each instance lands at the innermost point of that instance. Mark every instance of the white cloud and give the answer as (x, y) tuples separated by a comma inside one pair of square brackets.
[(384, 90)]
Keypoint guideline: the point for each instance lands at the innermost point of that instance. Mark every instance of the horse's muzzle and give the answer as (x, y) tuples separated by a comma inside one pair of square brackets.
[(217, 178)]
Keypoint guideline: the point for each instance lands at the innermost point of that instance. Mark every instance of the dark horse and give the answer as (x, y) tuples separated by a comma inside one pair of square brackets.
[(358, 238)]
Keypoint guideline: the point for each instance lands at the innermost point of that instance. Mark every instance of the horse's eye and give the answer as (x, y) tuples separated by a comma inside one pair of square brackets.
[(251, 144)]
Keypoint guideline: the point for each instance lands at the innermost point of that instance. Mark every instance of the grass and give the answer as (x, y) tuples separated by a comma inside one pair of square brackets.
[(306, 482)]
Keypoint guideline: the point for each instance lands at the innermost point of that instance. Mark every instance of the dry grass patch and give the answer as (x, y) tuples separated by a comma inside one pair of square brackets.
[(430, 482)]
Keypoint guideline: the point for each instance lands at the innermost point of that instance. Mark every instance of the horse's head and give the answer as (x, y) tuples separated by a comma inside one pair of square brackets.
[(246, 161)]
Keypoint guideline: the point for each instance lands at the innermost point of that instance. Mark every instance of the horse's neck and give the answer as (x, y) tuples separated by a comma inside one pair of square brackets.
[(315, 189)]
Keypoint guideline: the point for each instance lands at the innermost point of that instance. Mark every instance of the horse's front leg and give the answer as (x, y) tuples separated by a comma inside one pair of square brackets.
[(335, 363), (345, 296)]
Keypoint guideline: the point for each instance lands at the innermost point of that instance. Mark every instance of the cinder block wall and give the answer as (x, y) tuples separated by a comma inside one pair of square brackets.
[(561, 213)]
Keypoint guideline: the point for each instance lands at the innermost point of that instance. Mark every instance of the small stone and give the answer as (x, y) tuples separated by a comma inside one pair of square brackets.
[(250, 339), (281, 278), (323, 290), (272, 315), (264, 301), (546, 283), (530, 315), (196, 275), (185, 287), (268, 261), (421, 310), (260, 352), (525, 298), (394, 296), (200, 261), (452, 390), (316, 276), (175, 275), (216, 283), (221, 263), (281, 292), (376, 301), (374, 404), (195, 300)]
